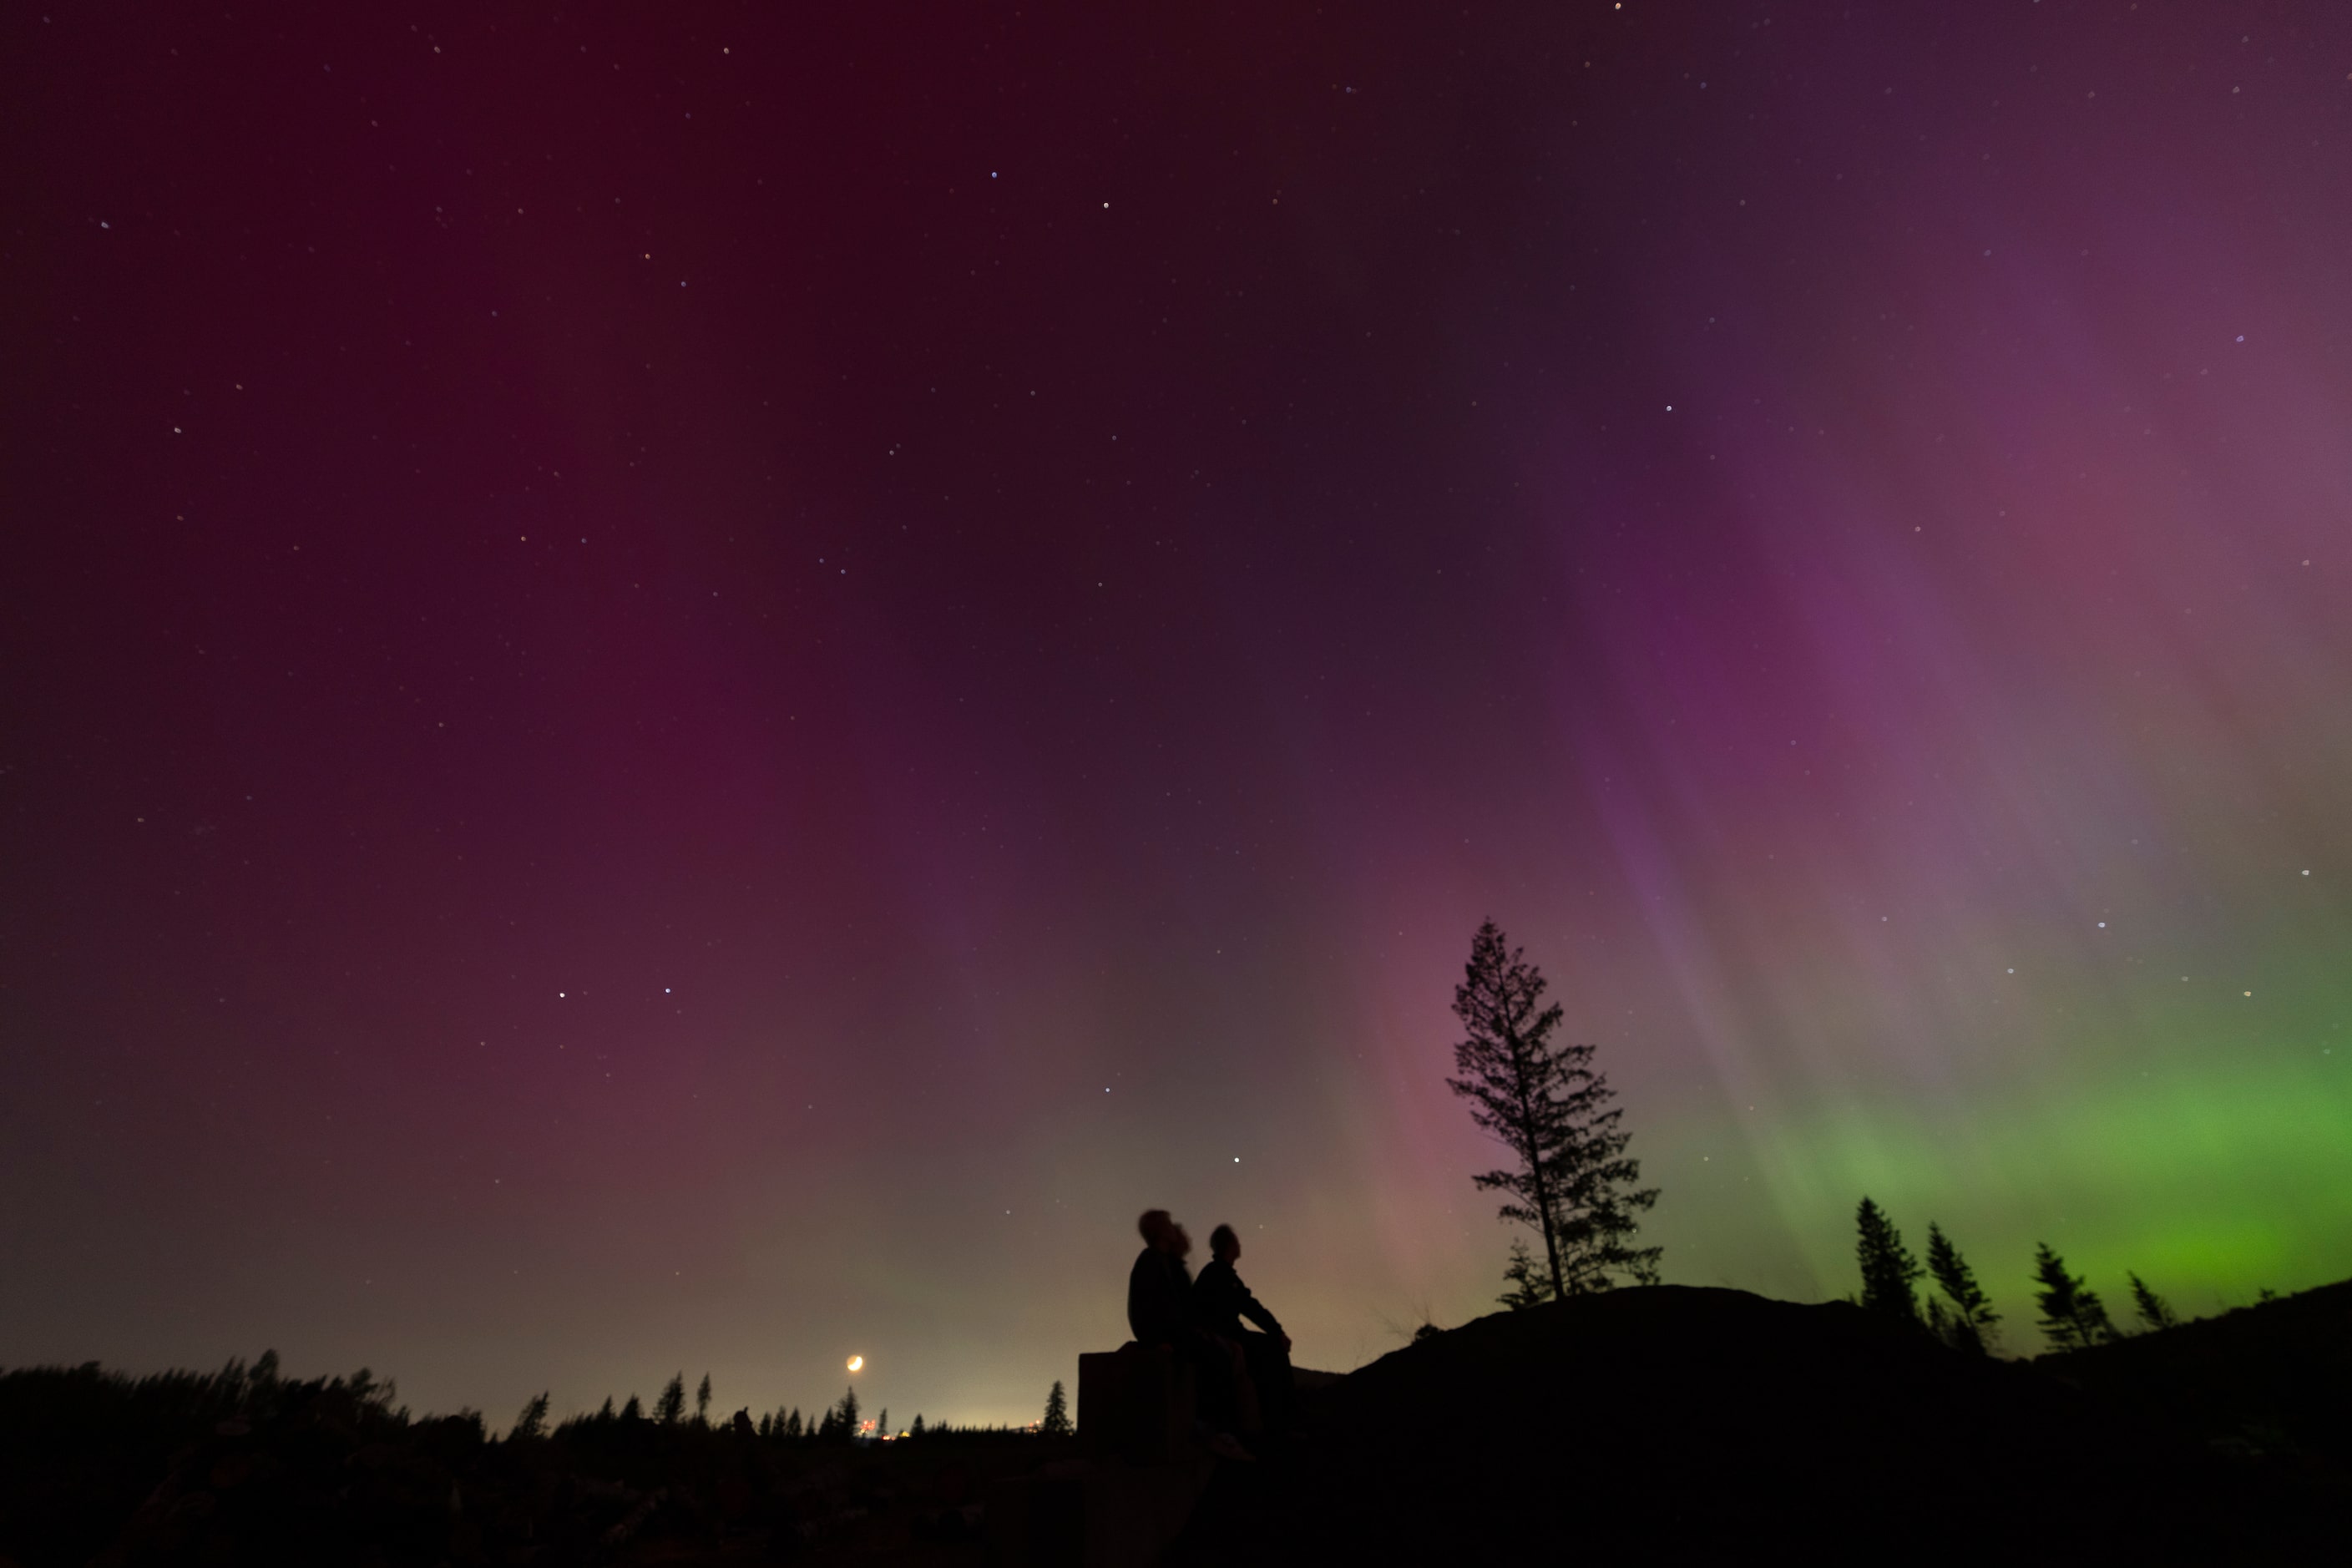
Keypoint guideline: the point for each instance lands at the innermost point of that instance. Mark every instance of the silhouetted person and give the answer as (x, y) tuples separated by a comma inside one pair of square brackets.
[(1160, 1288), (1159, 1311), (1220, 1303)]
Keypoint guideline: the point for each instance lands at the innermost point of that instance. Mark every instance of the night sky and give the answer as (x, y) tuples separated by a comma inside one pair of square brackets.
[(703, 692)]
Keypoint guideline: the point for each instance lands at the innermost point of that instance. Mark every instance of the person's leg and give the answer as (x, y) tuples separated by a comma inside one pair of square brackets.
[(1212, 1374), (1269, 1369), (1248, 1419)]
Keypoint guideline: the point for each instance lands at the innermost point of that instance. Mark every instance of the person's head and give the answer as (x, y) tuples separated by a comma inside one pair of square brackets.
[(1223, 1245), (1163, 1234)]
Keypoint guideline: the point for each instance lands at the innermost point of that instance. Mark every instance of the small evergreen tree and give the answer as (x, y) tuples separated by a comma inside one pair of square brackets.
[(702, 1402), (917, 1429), (671, 1408), (1887, 1266), (1572, 1181), (2154, 1309), (365, 1391), (532, 1422), (2071, 1314), (606, 1412), (1530, 1286), (882, 1423), (1970, 1326), (847, 1412), (1057, 1412), (767, 1425), (633, 1411), (792, 1426)]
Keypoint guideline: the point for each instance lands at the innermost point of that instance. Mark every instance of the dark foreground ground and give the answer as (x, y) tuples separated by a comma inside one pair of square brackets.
[(1681, 1424), (1662, 1425)]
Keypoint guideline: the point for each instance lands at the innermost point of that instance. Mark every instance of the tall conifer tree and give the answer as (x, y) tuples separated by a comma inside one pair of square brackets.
[(2154, 1309), (846, 1411), (1057, 1412), (1970, 1326), (1573, 1182), (1887, 1266), (532, 1422), (2071, 1314)]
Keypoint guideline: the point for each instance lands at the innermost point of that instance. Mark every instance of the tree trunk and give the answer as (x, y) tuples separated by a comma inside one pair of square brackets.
[(1535, 1163)]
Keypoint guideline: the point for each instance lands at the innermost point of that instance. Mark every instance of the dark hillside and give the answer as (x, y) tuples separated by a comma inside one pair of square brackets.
[(2273, 1379), (1679, 1424)]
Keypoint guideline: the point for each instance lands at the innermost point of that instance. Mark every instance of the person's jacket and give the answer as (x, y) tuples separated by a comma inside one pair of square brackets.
[(1220, 1303), (1158, 1297)]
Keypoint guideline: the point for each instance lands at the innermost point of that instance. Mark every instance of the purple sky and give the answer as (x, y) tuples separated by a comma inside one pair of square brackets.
[(705, 694)]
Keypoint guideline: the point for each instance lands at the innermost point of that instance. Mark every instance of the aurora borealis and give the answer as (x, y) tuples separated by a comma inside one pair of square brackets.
[(704, 694)]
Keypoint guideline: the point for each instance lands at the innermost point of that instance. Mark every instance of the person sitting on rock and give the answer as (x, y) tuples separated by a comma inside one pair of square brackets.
[(1220, 1303), (1159, 1311)]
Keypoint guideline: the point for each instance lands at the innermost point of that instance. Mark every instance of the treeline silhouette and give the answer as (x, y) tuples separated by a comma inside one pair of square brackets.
[(1572, 1184), (2072, 1317), (246, 1465)]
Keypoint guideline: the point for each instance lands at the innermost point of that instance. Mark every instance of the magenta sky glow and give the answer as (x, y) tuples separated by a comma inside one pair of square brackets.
[(703, 693)]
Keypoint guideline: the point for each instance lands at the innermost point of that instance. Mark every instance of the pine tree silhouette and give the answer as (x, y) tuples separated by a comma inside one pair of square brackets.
[(2154, 1309), (2071, 1314), (671, 1408), (702, 1402), (1542, 1100), (1530, 1287), (1057, 1412), (793, 1427), (917, 1429), (633, 1411), (1971, 1324), (532, 1422), (1887, 1266), (847, 1412)]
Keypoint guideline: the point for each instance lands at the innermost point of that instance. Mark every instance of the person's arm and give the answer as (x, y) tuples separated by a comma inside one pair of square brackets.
[(1255, 1311)]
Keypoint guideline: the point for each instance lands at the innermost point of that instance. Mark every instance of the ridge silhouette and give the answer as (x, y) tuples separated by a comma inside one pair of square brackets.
[(1713, 1424)]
